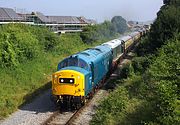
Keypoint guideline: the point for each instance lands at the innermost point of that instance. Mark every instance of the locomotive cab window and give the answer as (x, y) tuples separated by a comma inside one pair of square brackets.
[(83, 64), (74, 62), (64, 63)]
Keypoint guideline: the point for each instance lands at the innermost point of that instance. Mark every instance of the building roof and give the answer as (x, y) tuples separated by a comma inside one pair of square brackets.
[(7, 14), (42, 17), (83, 20), (64, 19)]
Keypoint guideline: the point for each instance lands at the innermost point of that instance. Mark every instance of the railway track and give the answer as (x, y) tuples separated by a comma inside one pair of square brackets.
[(64, 117)]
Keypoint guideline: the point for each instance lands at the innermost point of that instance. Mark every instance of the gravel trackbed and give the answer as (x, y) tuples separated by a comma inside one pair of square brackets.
[(34, 113)]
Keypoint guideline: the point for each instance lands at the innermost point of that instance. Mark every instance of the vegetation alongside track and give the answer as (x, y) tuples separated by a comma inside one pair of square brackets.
[(149, 92), (28, 57)]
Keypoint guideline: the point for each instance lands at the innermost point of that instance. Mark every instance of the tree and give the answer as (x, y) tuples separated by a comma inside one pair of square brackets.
[(120, 24)]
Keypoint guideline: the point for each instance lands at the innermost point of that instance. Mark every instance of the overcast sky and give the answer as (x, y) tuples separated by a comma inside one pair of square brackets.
[(100, 10)]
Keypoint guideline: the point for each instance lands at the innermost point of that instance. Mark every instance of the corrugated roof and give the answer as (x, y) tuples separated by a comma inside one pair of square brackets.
[(3, 15), (64, 19), (42, 17), (9, 14), (83, 19)]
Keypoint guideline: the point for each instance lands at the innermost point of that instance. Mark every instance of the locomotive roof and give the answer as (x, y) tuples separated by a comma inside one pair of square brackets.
[(92, 54), (125, 38), (134, 34), (113, 43)]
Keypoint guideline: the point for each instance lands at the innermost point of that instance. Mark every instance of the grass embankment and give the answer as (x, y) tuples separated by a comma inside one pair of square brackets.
[(28, 57)]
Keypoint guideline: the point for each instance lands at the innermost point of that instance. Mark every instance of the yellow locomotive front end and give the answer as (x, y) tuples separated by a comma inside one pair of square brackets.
[(68, 86)]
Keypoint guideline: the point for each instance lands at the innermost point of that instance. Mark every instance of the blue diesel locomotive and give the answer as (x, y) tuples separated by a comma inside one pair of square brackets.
[(79, 75)]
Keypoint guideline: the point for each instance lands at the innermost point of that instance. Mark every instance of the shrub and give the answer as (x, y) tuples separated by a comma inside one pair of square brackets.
[(140, 64), (47, 39), (16, 47), (111, 107), (127, 71)]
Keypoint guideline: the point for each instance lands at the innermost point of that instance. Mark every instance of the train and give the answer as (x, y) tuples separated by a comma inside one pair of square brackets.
[(80, 75)]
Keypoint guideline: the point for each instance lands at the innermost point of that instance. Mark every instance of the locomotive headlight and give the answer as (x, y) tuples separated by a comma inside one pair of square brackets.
[(62, 80), (71, 81)]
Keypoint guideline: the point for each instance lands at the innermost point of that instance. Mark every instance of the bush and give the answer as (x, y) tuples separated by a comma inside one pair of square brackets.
[(111, 107), (47, 39), (119, 24), (17, 46), (140, 64), (127, 71), (165, 97), (163, 80)]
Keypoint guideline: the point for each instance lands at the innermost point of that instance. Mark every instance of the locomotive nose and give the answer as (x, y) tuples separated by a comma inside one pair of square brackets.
[(68, 82)]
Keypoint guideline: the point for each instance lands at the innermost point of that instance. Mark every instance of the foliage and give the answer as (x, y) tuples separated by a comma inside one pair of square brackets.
[(160, 83), (104, 30), (19, 43), (111, 107), (16, 46), (70, 44), (47, 40), (165, 27), (127, 71), (120, 24), (140, 64), (172, 2), (167, 64), (89, 34)]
